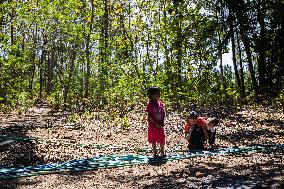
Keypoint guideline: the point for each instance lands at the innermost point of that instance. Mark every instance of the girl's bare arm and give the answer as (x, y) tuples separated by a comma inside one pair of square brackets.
[(151, 118), (156, 122)]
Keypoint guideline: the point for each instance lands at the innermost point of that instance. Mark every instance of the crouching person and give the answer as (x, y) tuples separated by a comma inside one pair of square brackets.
[(211, 131), (195, 129)]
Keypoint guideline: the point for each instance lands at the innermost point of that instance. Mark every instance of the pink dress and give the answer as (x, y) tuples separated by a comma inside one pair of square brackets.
[(157, 111)]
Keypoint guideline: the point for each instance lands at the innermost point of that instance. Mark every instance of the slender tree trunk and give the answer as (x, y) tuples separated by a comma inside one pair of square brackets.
[(41, 75), (221, 62), (263, 85), (249, 59), (167, 61), (148, 53), (179, 50), (70, 75), (50, 68), (238, 10), (32, 72), (104, 83), (106, 26), (82, 79), (158, 42), (221, 51), (157, 58), (179, 56), (41, 68), (234, 52), (12, 28), (178, 47), (103, 75), (87, 76), (235, 62), (87, 51), (136, 61), (243, 90)]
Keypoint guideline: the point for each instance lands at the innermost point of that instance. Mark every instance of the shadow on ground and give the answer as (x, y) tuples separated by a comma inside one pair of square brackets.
[(247, 136), (15, 152), (214, 175)]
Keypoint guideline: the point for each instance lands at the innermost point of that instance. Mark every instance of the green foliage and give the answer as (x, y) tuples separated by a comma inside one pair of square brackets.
[(73, 118), (87, 56), (125, 123), (279, 101), (55, 98)]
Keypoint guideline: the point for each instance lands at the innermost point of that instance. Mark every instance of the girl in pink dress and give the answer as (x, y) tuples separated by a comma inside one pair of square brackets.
[(156, 116)]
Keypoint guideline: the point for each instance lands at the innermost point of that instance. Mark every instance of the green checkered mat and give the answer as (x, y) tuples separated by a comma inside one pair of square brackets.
[(113, 161)]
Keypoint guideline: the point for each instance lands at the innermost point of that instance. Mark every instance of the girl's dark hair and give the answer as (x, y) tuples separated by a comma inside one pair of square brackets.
[(152, 90), (214, 120), (192, 114)]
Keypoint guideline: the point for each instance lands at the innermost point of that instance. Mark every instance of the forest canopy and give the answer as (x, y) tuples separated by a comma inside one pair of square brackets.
[(106, 53)]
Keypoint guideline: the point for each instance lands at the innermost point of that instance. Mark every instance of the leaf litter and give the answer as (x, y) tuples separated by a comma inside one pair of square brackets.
[(239, 127)]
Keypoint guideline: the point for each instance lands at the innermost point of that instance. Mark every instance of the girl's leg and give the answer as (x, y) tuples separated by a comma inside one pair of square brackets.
[(162, 149), (154, 147)]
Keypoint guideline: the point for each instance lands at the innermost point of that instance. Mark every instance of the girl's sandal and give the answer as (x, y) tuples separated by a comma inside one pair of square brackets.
[(155, 156), (163, 156)]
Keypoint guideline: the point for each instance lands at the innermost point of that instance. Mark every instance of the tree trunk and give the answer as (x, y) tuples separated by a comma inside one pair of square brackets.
[(231, 24), (178, 47), (221, 62), (167, 51), (238, 9), (243, 90), (41, 68), (148, 54), (50, 67), (12, 28), (263, 85), (249, 59), (87, 51), (32, 74), (70, 75)]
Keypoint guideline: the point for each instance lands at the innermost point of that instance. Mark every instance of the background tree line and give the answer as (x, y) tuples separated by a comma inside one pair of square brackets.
[(105, 53)]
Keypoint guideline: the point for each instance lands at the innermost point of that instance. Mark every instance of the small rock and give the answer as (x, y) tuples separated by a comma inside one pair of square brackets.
[(199, 175)]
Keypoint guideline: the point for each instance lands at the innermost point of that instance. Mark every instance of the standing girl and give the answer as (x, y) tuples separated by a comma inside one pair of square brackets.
[(156, 116)]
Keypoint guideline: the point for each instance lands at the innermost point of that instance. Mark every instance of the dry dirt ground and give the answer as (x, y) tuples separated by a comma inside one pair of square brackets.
[(239, 127)]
